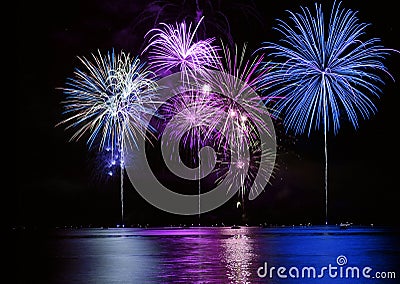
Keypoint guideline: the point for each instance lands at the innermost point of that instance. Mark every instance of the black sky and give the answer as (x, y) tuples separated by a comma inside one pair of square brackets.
[(54, 182)]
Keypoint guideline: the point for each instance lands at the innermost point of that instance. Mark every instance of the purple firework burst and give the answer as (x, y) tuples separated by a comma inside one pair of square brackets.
[(175, 48)]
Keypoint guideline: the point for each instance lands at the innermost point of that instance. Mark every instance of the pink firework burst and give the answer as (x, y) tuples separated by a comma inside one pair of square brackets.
[(175, 48)]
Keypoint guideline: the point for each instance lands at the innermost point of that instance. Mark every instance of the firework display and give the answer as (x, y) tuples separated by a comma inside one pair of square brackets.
[(320, 73)]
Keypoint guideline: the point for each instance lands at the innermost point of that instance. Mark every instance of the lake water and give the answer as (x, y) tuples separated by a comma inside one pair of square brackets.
[(314, 254)]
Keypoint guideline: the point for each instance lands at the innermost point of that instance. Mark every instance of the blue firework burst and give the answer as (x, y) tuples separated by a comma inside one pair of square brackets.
[(324, 72)]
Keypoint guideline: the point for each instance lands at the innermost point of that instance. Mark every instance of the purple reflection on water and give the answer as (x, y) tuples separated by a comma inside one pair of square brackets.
[(239, 257), (209, 255)]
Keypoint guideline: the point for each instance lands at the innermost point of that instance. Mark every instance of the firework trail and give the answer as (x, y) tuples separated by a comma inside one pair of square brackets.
[(323, 72), (107, 100)]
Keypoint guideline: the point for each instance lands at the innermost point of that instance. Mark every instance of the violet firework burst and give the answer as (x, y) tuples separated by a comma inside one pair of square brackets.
[(175, 48)]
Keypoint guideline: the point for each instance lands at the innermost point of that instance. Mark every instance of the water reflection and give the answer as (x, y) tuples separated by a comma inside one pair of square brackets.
[(190, 259), (238, 256), (197, 255), (208, 255)]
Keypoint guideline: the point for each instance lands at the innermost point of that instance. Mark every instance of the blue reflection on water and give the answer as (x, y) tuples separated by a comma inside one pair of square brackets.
[(201, 255)]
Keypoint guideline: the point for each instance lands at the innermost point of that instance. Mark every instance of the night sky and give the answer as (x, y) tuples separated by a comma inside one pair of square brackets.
[(54, 182)]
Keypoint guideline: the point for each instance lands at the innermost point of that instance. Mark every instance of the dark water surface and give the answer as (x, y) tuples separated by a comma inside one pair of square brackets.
[(316, 254)]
